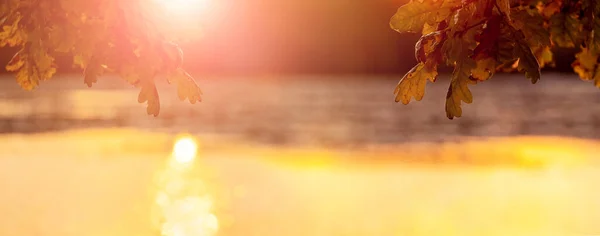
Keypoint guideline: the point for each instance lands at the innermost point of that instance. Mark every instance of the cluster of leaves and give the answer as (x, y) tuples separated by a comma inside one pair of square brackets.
[(102, 36), (481, 37)]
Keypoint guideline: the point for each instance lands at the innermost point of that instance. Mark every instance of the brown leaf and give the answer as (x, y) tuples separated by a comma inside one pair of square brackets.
[(458, 91), (92, 71), (527, 61), (565, 30), (531, 23), (459, 51), (149, 94)]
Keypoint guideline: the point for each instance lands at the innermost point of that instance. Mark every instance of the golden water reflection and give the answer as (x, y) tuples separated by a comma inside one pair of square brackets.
[(100, 182), (184, 207)]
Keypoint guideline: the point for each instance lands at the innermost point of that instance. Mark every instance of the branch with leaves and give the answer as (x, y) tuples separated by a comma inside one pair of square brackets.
[(481, 37), (102, 36)]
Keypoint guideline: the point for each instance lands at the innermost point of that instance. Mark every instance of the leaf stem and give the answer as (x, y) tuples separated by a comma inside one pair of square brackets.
[(484, 20)]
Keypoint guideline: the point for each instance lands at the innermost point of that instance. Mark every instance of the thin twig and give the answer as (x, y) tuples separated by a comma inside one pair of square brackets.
[(477, 24)]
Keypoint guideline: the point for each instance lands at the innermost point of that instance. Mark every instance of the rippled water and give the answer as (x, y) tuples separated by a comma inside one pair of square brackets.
[(91, 183), (312, 110)]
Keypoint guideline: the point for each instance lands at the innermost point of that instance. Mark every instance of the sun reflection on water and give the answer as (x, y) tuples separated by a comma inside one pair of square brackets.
[(185, 150), (184, 207)]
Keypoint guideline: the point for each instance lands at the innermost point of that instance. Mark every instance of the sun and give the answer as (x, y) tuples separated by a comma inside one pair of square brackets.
[(184, 7), (185, 20)]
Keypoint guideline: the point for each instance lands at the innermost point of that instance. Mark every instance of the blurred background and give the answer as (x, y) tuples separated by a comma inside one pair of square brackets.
[(298, 134)]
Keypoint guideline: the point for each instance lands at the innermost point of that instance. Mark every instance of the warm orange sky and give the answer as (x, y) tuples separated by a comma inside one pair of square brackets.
[(270, 36)]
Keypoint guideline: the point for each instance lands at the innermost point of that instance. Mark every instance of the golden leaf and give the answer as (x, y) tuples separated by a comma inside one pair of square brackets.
[(413, 84), (586, 64), (484, 69), (186, 86), (458, 50), (412, 16)]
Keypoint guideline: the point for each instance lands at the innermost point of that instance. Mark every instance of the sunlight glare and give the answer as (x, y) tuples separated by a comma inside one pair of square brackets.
[(184, 7), (185, 150)]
